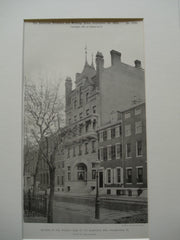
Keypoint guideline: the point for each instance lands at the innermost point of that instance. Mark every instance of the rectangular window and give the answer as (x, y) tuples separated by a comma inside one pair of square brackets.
[(87, 126), (105, 153), (138, 127), (118, 175), (101, 154), (109, 134), (113, 132), (118, 150), (139, 174), (108, 191), (62, 180), (129, 175), (109, 175), (104, 135), (94, 109), (139, 148), (109, 152), (80, 149), (137, 111), (113, 152), (117, 131), (127, 115), (93, 174), (93, 147), (128, 150), (86, 148), (128, 130), (87, 112)]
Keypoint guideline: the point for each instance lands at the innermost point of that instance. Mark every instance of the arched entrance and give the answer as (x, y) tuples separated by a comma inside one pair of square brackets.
[(81, 170)]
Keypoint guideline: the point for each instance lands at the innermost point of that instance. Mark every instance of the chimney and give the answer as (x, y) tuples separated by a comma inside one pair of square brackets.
[(99, 67), (137, 63), (99, 60), (115, 57)]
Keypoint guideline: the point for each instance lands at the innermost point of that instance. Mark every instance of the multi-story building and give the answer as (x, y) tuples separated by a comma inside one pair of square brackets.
[(82, 116), (122, 152), (98, 91)]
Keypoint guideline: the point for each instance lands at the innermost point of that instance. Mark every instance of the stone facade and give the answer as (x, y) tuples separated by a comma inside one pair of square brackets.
[(82, 120)]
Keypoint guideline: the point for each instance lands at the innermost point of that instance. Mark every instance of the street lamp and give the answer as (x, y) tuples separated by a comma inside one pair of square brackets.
[(97, 202)]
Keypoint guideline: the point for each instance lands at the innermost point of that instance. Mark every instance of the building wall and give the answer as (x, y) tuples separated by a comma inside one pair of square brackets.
[(134, 161), (124, 162), (80, 111), (119, 84)]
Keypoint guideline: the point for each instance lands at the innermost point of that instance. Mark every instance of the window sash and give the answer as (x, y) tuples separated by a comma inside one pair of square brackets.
[(139, 148), (118, 175), (138, 127), (140, 174), (128, 150), (113, 151), (109, 152), (109, 175)]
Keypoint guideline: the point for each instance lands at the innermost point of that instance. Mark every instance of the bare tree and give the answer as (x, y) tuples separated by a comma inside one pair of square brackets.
[(44, 114)]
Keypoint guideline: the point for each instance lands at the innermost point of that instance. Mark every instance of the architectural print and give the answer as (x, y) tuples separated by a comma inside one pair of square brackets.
[(92, 168)]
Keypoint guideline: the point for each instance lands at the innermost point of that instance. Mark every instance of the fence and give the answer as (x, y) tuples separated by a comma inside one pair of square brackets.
[(35, 204)]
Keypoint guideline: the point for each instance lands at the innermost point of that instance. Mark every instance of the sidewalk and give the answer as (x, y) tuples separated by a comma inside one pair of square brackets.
[(103, 197), (65, 212)]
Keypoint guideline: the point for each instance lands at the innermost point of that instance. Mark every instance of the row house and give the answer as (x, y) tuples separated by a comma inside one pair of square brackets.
[(122, 153)]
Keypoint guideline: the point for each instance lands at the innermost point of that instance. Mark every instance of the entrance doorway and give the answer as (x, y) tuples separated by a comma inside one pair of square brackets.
[(81, 172)]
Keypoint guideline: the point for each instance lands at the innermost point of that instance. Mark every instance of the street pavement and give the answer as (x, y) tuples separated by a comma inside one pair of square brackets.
[(65, 212), (70, 208)]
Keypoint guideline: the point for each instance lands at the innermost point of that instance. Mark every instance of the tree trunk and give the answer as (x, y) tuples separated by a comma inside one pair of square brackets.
[(51, 194), (36, 172), (34, 184)]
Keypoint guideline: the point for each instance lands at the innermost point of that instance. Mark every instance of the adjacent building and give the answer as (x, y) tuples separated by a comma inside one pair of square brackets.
[(122, 153)]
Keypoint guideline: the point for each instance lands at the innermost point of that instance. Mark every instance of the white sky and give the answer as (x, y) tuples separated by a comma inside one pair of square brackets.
[(55, 51)]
